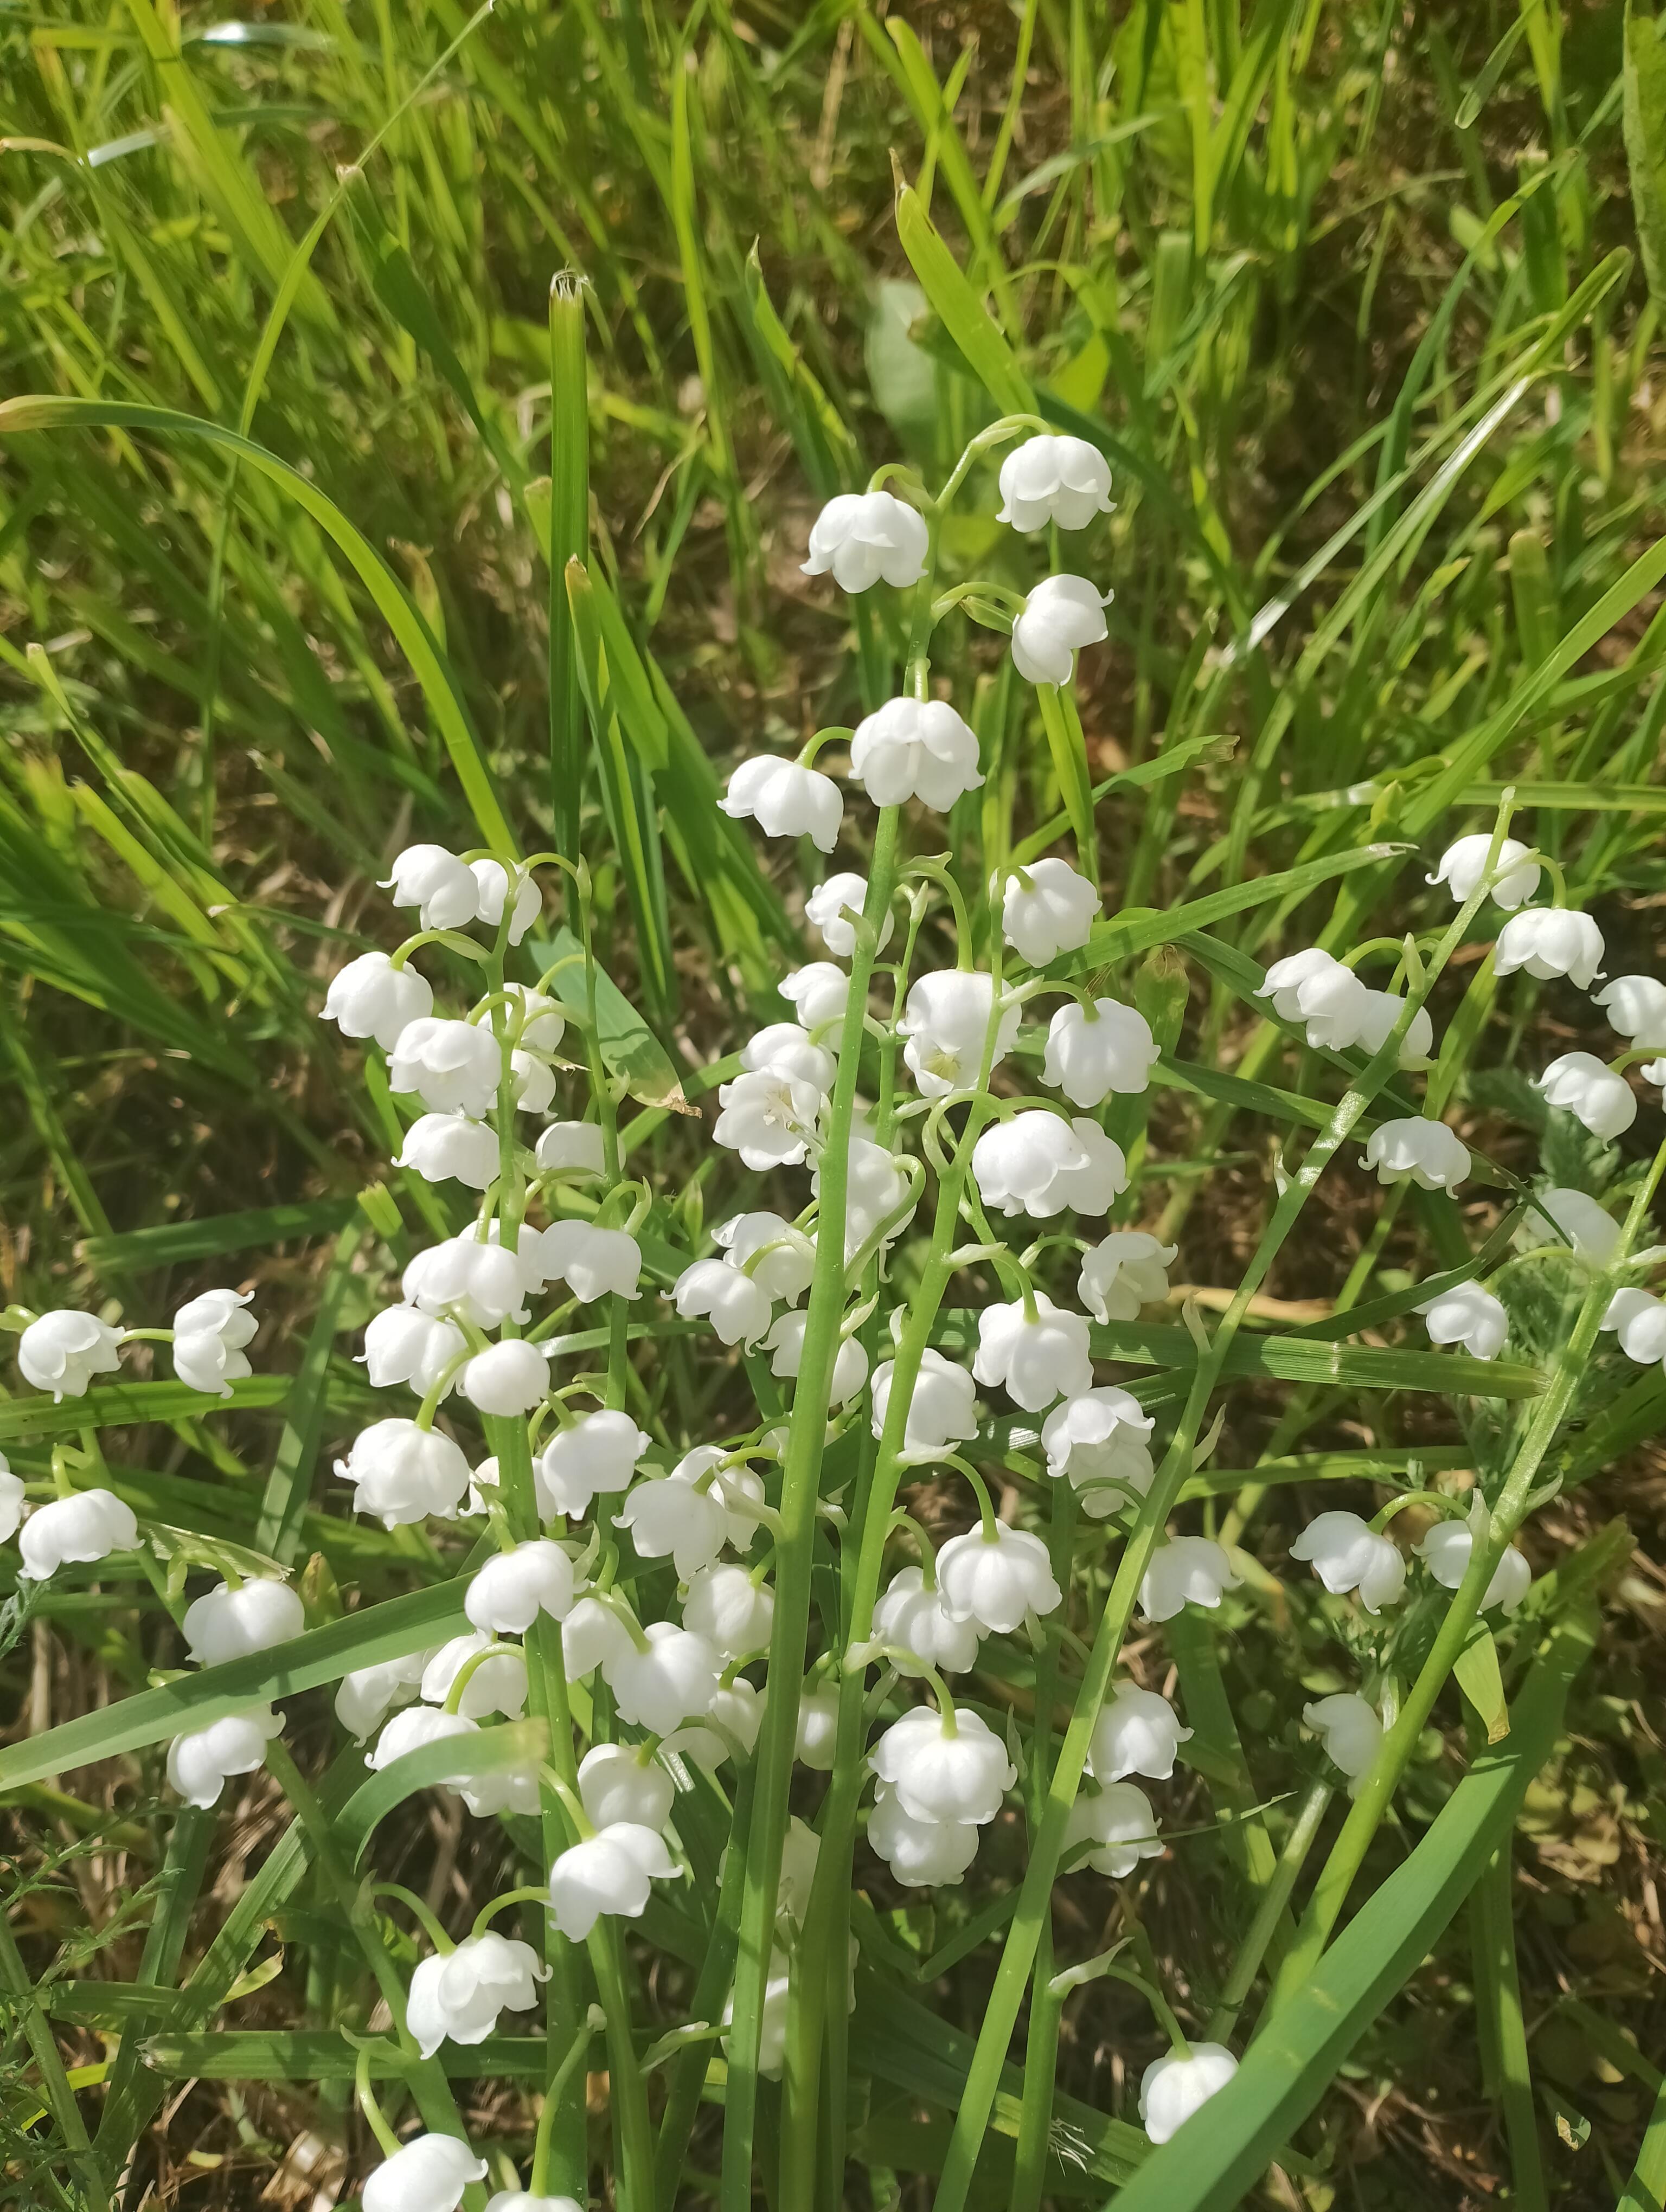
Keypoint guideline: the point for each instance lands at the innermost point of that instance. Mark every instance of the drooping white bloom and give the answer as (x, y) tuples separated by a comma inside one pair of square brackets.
[(768, 1119), (63, 1351), (372, 998), (876, 1193), (531, 1083), (508, 1379), (491, 882), (1090, 1056), (1351, 1727), (451, 1066), (816, 1739), (1186, 1570), (995, 1581), (920, 1854), (1550, 940), (482, 1282), (674, 1680), (1123, 1825), (1137, 1732), (75, 1530), (1639, 1318), (941, 1407), (1053, 911), (1038, 1163), (779, 1258), (523, 2200), (669, 1518), (1468, 1315), (497, 1684), (1346, 1554), (593, 1263), (785, 1344), (829, 908), (428, 2174), (366, 1697), (450, 1148), (1052, 479), (598, 1452), (820, 996), (458, 1998), (1383, 1011), (738, 1307), (1636, 1008), (1061, 616), (1579, 1083), (592, 1635), (863, 537), (437, 884), (1316, 988), (732, 1612), (210, 1334), (618, 1783), (11, 1501), (946, 1022), (402, 1473), (507, 1593), (1123, 1272), (1569, 1217), (403, 1344), (944, 1772), (1171, 2089), (914, 1619), (570, 1148), (1098, 1439), (1446, 1551), (1417, 1149), (914, 749), (782, 1048), (786, 800), (1037, 1361), (229, 1624), (198, 1764), (415, 1730), (1464, 864)]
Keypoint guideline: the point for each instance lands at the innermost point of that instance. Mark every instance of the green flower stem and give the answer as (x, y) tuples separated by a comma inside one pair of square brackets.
[(420, 1913), (1068, 747), (1304, 1833), (370, 2105), (800, 1470)]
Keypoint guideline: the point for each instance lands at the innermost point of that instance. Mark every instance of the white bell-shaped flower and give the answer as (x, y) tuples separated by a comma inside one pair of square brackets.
[(450, 1148), (523, 2200), (402, 1473), (63, 1351), (770, 1119), (365, 1698), (1098, 1440), (593, 1263), (1350, 1730), (11, 1500), (786, 800), (876, 1196), (1445, 1550), (780, 1259), (1123, 1272), (785, 1345), (599, 1452), (946, 1022), (531, 1083), (1549, 940), (1640, 1320), (914, 749), (209, 1332), (1571, 1219), (737, 1489), (820, 996), (507, 1593), (1171, 2089), (671, 1518), (618, 1783), (372, 998), (737, 1308), (533, 1018), (1636, 1008), (732, 1612), (816, 1739), (229, 1624), (451, 1066), (491, 883), (458, 1998), (1121, 1825), (1419, 1151), (1089, 1056), (830, 907), (1316, 988), (481, 1283), (942, 1406), (1468, 1315), (508, 1379), (920, 1854), (674, 1680), (1035, 1360), (1061, 616), (1052, 479), (1045, 910), (912, 1619), (1346, 1554), (437, 884), (1579, 1083), (782, 1048), (571, 1148), (1383, 1011), (415, 1730), (200, 1764), (1463, 865), (1137, 1732), (75, 1531), (592, 1635), (613, 1872), (1016, 1163), (497, 1684), (943, 1771), (428, 2174), (1186, 1570), (403, 1344), (867, 536), (995, 1581)]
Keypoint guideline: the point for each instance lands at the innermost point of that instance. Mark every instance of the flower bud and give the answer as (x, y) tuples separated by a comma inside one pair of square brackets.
[(917, 1620), (450, 1148), (737, 1308), (863, 537), (75, 1530), (372, 998), (995, 1582), (1352, 1730), (1347, 1554), (1171, 2089), (829, 908), (940, 1775), (1578, 1082), (428, 2174), (508, 1379), (768, 1119), (1137, 1732), (458, 1998), (571, 1148), (816, 1740), (941, 1407), (731, 1611), (920, 1854), (674, 1680), (1188, 1569), (437, 884), (599, 1452), (1121, 1825), (1052, 912), (451, 1066), (610, 1872), (1468, 1315), (1463, 865), (1549, 940), (616, 1783), (914, 749), (491, 888), (230, 1623), (1098, 1440), (62, 1350), (1037, 1360), (402, 1343), (946, 1023), (1052, 479), (1445, 1550), (1418, 1151), (1062, 615), (507, 1594), (402, 1473), (1636, 1008), (198, 1764)]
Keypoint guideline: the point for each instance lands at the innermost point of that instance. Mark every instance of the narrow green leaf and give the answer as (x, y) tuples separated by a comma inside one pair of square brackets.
[(454, 1759), (169, 1243), (289, 1486), (629, 1047), (958, 306), (120, 1405), (1482, 1683), (1643, 111)]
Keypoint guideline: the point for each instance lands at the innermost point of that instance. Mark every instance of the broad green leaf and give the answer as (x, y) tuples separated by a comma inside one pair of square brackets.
[(629, 1047), (169, 1243), (1482, 1683), (121, 1404), (958, 306)]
